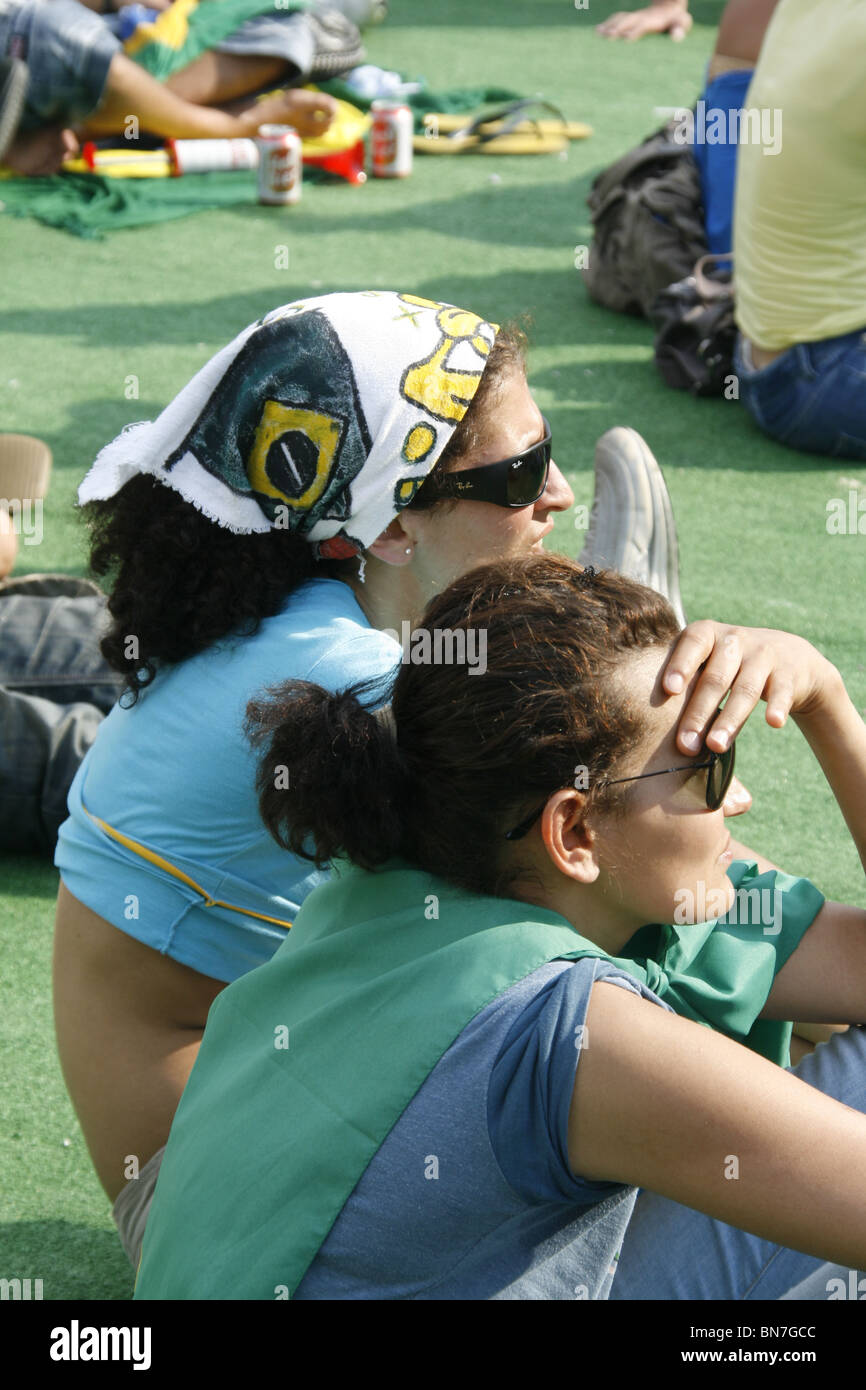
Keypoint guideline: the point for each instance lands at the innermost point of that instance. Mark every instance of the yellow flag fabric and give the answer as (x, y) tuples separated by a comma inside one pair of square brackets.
[(189, 27)]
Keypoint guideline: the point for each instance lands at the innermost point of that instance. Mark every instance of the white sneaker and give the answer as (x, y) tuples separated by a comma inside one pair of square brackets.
[(631, 525), (361, 12)]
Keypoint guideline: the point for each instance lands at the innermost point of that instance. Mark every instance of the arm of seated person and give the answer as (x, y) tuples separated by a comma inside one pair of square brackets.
[(664, 1104)]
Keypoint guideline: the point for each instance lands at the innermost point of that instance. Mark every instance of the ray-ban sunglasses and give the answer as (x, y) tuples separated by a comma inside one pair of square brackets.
[(721, 770), (513, 482)]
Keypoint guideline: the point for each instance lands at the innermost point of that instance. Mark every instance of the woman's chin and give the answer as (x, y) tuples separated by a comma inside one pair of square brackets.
[(705, 901)]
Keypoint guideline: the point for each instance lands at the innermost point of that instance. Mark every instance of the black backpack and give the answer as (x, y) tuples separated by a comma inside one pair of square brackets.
[(648, 224), (695, 329)]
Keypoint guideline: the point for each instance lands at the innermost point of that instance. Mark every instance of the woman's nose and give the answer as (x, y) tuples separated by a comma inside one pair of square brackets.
[(557, 495), (737, 798)]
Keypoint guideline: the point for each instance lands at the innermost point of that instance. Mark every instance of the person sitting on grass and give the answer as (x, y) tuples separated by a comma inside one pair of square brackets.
[(466, 1057), (81, 85), (800, 234), (272, 523)]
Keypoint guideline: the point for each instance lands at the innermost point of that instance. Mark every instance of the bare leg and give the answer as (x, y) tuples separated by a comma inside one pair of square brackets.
[(130, 91), (213, 79)]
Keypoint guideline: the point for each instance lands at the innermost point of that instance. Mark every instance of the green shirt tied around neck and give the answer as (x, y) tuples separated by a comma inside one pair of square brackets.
[(309, 1061)]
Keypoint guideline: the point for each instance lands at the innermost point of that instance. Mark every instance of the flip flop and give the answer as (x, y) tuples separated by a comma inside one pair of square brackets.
[(503, 138), (488, 144), (507, 119)]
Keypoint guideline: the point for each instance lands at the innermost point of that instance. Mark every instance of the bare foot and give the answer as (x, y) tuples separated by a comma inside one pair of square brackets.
[(309, 112), (40, 152)]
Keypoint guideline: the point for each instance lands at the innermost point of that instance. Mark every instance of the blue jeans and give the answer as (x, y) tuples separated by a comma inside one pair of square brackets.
[(55, 690), (812, 397), (672, 1252), (68, 50)]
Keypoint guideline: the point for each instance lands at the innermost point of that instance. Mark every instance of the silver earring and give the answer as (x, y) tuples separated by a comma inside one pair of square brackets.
[(362, 569), (408, 550)]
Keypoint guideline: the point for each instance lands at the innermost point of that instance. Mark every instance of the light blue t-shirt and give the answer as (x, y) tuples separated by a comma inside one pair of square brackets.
[(175, 774)]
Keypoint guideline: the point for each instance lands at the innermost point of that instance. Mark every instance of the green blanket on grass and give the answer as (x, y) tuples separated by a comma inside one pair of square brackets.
[(90, 205)]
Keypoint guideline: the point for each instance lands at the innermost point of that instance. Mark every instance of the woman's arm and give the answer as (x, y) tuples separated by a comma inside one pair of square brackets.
[(660, 1102), (825, 978), (837, 736)]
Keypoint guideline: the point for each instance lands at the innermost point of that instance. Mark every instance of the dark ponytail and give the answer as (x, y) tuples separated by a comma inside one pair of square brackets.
[(330, 778), (475, 751)]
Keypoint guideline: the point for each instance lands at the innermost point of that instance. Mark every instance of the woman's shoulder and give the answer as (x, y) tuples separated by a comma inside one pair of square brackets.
[(332, 636), (320, 633)]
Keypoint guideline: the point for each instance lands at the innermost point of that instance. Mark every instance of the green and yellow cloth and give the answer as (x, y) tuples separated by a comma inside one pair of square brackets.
[(189, 28)]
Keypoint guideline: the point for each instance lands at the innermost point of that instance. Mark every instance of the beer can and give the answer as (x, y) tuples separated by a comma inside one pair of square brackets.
[(279, 164), (391, 140)]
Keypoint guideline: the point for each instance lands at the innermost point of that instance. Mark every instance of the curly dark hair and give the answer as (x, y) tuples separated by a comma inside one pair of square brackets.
[(179, 582)]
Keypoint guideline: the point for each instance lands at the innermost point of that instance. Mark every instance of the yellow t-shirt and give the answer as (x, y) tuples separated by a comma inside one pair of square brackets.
[(800, 213)]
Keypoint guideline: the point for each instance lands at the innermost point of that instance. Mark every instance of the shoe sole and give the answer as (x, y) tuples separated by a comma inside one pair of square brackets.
[(630, 484)]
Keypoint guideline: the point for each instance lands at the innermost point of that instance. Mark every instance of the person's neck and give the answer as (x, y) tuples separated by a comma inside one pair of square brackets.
[(587, 907), (389, 596)]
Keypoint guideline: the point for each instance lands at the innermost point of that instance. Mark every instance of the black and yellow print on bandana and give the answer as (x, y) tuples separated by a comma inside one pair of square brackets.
[(444, 382), (280, 430), (417, 446)]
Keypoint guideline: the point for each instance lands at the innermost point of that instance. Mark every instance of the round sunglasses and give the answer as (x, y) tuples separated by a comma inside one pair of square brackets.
[(513, 482), (721, 771)]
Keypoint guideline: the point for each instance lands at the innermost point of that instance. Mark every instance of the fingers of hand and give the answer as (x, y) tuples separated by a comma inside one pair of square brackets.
[(747, 690), (779, 695), (654, 19), (693, 647), (758, 679), (619, 26), (725, 671)]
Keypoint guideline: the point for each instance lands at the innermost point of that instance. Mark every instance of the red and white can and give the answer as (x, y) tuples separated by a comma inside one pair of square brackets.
[(279, 164), (391, 140), (200, 156)]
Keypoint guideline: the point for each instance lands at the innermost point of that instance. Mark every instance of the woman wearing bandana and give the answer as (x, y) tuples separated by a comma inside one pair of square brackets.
[(270, 524)]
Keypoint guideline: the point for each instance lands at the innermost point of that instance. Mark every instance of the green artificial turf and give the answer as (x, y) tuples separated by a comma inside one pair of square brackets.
[(82, 323)]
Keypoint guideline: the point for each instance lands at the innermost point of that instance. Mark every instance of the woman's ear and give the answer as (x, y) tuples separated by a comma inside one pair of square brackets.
[(570, 843), (394, 546)]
